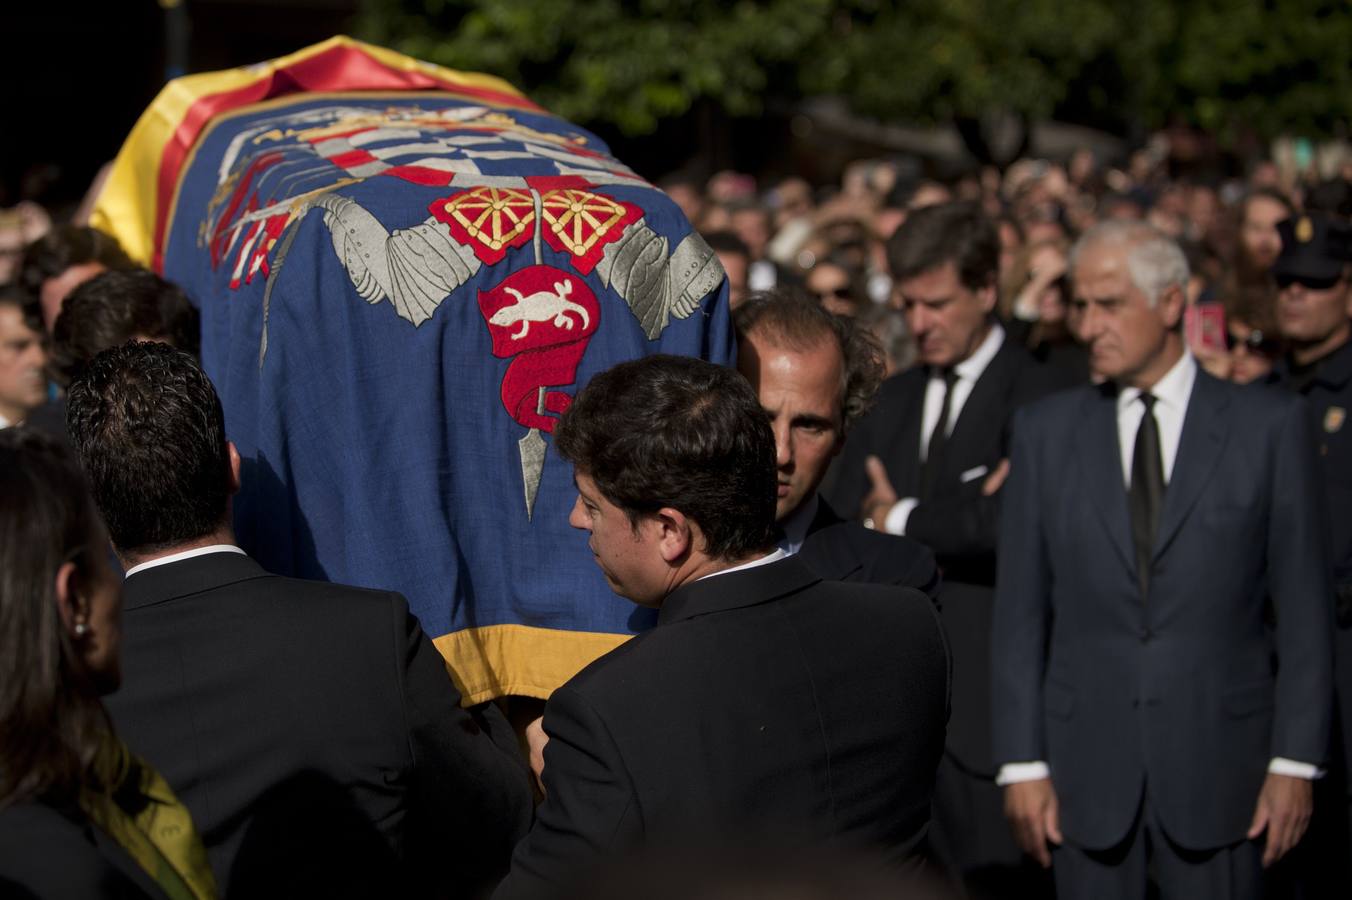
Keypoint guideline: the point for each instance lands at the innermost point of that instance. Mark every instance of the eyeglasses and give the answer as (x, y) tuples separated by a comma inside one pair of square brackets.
[(1254, 342), (1310, 284)]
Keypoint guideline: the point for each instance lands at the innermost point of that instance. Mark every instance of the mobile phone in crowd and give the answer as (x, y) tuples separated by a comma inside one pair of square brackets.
[(1204, 326)]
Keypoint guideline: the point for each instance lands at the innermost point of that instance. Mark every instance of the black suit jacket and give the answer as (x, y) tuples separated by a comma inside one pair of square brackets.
[(957, 523), (838, 550), (314, 734), (1186, 692), (765, 703), (54, 854)]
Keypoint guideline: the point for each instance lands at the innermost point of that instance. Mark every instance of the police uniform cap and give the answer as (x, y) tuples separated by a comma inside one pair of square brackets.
[(1315, 246)]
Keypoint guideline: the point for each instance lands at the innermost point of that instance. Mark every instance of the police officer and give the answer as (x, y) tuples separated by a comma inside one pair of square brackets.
[(1314, 315)]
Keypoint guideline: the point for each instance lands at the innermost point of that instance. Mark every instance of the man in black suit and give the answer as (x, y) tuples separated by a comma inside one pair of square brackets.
[(927, 462), (1145, 713), (816, 374), (766, 704), (312, 730)]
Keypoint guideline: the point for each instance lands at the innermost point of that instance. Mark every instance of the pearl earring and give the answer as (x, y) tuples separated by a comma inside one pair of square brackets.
[(81, 629)]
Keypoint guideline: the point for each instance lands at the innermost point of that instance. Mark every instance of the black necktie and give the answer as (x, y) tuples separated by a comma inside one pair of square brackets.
[(934, 453), (1147, 491)]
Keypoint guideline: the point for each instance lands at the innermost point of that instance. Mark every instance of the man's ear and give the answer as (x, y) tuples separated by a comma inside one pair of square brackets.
[(69, 606), (233, 454), (674, 532), (988, 295), (1171, 304)]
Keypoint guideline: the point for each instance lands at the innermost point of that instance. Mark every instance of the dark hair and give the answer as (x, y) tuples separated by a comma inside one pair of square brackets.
[(949, 232), (149, 429), (14, 295), (1272, 194), (113, 307), (69, 245), (727, 242), (51, 721), (671, 431), (1332, 196), (788, 317), (1253, 304), (681, 179)]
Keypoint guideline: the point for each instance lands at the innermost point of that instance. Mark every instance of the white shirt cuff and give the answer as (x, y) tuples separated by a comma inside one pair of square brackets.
[(899, 515), (1013, 773), (1308, 771)]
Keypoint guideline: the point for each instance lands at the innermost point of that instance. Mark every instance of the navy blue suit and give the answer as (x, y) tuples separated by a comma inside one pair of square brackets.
[(1185, 694)]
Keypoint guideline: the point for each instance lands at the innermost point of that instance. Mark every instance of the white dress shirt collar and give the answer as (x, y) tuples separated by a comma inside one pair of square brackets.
[(1173, 389), (1171, 393), (971, 368), (765, 560), (968, 371), (185, 554)]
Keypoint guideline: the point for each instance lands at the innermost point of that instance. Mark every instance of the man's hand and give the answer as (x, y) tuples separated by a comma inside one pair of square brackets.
[(1031, 809), (535, 741), (881, 497), (1283, 809), (996, 479)]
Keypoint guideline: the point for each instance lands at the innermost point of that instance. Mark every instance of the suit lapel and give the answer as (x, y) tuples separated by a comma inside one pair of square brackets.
[(896, 440), (1100, 459), (907, 480), (985, 404), (1203, 439), (825, 549)]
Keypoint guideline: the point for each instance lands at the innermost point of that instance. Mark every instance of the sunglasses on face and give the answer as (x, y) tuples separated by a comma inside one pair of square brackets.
[(840, 293), (1310, 284), (1254, 342)]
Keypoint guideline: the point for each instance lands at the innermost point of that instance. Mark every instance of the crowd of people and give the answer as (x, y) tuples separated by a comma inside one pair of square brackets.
[(1018, 548)]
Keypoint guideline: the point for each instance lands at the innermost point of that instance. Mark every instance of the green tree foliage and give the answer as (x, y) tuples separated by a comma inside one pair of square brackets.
[(936, 59), (1281, 65), (1270, 66), (624, 63)]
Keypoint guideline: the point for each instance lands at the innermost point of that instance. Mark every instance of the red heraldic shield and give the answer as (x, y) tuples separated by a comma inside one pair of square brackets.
[(543, 317), (488, 220), (581, 223)]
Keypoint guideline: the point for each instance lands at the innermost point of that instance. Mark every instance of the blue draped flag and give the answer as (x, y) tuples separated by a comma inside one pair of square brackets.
[(401, 291)]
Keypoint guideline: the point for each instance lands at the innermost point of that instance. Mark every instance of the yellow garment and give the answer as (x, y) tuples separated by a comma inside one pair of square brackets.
[(137, 808)]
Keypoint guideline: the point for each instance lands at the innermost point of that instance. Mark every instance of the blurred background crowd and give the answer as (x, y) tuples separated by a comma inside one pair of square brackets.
[(828, 239)]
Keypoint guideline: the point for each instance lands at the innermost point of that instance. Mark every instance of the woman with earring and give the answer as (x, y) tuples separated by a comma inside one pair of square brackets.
[(80, 815)]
